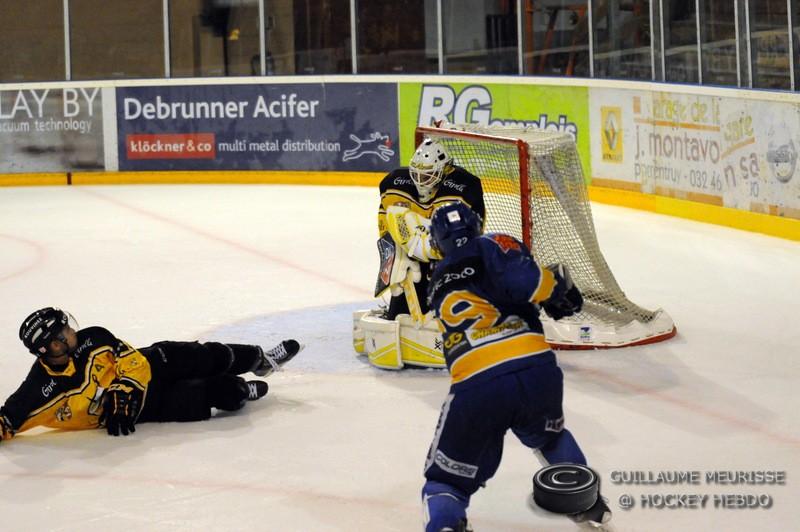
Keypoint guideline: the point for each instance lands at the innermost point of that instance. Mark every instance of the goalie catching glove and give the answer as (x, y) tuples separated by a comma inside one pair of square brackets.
[(412, 232), (121, 405), (566, 299)]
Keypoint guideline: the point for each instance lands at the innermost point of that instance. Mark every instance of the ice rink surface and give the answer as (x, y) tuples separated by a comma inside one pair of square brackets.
[(338, 445)]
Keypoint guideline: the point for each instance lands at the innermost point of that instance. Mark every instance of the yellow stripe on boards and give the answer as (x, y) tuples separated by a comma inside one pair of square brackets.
[(33, 179), (267, 177), (767, 224), (365, 179), (602, 190)]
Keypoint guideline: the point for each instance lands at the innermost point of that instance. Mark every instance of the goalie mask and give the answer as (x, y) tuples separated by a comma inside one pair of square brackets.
[(44, 326), (427, 167), (454, 225)]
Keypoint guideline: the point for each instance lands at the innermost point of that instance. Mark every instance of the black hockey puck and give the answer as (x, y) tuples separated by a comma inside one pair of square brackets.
[(566, 488)]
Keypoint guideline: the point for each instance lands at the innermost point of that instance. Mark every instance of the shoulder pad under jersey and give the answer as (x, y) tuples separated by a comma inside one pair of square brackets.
[(399, 179)]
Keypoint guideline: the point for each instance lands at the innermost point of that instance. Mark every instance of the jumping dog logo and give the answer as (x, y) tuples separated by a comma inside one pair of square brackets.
[(376, 144)]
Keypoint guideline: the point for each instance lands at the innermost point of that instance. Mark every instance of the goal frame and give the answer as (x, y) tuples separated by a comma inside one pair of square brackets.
[(524, 177), (562, 334)]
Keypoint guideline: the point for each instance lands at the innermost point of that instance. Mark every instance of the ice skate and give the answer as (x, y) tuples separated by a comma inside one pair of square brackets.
[(272, 360), (256, 390), (463, 526)]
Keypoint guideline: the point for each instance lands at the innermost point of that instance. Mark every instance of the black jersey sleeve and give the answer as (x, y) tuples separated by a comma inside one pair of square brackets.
[(474, 195), (30, 395), (461, 185)]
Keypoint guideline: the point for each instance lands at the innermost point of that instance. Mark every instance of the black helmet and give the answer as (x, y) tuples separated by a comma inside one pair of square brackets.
[(41, 327)]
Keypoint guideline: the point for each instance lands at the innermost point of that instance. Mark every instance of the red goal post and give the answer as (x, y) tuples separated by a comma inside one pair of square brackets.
[(534, 189)]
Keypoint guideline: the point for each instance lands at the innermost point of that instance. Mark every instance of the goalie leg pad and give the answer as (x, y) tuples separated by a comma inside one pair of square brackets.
[(381, 341), (358, 332), (421, 345), (377, 338), (390, 344)]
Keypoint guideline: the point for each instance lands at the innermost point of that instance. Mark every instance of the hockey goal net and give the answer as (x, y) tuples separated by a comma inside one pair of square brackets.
[(534, 189)]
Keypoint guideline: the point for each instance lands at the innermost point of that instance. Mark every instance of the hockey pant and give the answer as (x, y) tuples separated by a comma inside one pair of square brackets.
[(468, 442), (191, 378)]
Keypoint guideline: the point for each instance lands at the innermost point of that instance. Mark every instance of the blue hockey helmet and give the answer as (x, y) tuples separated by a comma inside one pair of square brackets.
[(453, 225), (41, 327)]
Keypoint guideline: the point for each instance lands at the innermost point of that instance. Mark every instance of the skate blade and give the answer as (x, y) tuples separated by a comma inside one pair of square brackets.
[(586, 525)]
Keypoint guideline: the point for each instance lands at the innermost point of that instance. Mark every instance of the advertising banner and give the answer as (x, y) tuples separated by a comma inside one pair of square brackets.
[(553, 108), (51, 130), (722, 150), (343, 127)]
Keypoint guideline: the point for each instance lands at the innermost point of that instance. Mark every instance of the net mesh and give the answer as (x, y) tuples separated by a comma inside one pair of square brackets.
[(558, 212)]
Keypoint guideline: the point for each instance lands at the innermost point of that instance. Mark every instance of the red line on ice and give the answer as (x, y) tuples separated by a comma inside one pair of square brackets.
[(232, 243), (693, 407), (38, 258)]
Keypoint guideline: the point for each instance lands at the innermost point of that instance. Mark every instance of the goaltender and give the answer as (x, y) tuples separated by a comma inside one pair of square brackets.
[(88, 378), (430, 180), (405, 332)]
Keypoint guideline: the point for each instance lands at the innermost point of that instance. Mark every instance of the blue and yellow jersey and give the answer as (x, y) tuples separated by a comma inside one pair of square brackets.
[(485, 294), (71, 398)]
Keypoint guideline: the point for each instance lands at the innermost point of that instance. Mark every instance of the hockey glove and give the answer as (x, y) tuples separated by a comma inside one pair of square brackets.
[(121, 404), (568, 299), (411, 231)]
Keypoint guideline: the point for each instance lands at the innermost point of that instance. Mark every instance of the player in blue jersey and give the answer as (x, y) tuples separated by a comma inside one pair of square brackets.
[(487, 291)]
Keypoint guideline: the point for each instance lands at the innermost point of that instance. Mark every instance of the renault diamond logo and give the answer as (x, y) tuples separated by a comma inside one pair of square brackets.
[(611, 119)]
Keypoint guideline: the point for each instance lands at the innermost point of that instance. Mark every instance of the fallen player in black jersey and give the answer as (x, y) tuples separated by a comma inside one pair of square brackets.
[(88, 378)]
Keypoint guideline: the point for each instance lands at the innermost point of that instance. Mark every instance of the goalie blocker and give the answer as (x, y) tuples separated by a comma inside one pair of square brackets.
[(406, 333), (414, 339)]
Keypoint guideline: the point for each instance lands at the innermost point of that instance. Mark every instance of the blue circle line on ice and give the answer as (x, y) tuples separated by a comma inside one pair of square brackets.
[(327, 333)]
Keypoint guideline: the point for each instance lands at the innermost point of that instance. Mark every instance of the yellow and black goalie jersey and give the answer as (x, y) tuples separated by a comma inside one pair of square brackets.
[(485, 294), (457, 184), (71, 398)]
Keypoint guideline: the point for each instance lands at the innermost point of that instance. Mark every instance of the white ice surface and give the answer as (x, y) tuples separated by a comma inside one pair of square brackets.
[(338, 445)]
